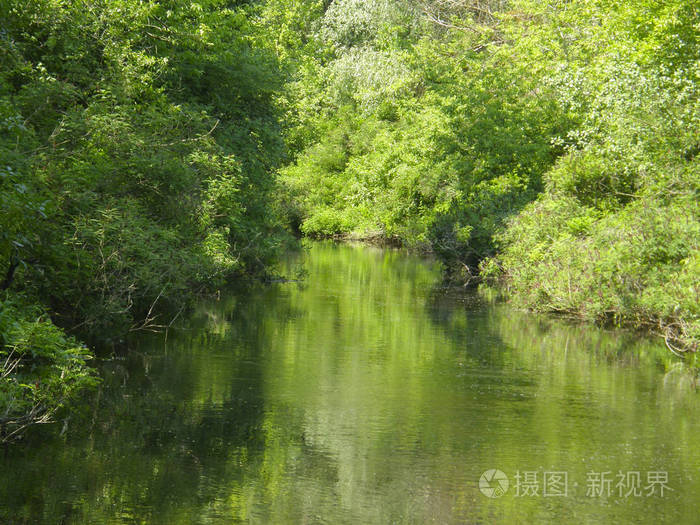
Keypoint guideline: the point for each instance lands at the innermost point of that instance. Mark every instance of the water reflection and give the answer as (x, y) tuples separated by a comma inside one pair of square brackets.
[(366, 394)]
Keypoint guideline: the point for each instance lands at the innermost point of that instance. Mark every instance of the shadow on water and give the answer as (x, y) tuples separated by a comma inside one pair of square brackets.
[(366, 394)]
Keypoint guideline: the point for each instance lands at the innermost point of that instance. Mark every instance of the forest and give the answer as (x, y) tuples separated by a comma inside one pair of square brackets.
[(152, 152)]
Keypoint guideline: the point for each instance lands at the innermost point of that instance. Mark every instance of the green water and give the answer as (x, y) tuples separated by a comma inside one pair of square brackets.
[(367, 393)]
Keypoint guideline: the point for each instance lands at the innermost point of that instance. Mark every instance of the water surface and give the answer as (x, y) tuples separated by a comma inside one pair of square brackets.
[(367, 393)]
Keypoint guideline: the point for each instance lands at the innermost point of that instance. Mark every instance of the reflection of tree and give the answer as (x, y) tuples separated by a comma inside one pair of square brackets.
[(363, 395), (590, 398), (170, 419)]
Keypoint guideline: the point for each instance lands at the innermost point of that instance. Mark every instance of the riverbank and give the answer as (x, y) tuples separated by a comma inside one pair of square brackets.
[(595, 297), (149, 152), (551, 150), (634, 264), (136, 171)]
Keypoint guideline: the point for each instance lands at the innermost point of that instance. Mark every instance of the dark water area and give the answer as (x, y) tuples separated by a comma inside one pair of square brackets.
[(367, 393)]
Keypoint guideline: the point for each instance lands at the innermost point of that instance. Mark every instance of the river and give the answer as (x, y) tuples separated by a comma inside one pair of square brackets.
[(364, 393)]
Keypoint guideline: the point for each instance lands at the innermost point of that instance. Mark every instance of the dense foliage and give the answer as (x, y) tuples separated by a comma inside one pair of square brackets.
[(149, 149), (616, 233), (137, 147), (435, 123), (418, 132)]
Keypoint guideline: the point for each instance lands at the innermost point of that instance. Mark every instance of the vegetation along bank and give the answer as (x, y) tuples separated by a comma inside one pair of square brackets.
[(153, 150)]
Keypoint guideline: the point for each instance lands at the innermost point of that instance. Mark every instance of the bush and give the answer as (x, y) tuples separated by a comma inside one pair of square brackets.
[(42, 371)]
